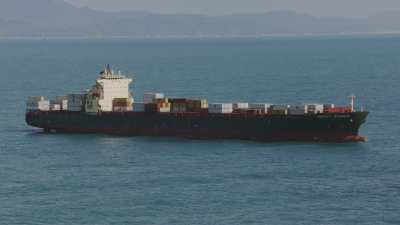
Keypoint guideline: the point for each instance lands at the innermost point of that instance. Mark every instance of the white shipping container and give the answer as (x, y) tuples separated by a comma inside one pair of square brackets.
[(315, 108), (221, 105), (63, 101), (149, 97), (138, 107), (240, 105), (64, 105), (329, 106), (55, 107), (220, 108), (43, 105), (262, 106), (165, 109), (37, 103)]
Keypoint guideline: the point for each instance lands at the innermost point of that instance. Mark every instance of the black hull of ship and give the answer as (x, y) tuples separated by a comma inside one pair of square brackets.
[(321, 127)]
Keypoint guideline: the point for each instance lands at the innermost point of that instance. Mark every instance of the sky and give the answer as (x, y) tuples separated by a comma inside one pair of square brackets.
[(348, 8)]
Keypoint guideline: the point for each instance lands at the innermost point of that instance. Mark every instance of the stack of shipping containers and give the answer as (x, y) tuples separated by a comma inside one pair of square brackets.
[(279, 109), (76, 102), (121, 105), (220, 108), (38, 103)]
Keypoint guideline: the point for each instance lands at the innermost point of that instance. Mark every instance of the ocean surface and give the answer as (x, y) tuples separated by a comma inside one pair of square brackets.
[(101, 179)]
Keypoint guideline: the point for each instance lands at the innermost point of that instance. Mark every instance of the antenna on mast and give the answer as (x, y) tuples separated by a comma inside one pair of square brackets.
[(108, 69)]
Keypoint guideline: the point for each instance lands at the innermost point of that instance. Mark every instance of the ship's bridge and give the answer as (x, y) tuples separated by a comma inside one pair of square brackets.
[(112, 86)]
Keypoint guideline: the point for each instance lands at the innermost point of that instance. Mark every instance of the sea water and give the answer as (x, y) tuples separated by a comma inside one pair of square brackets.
[(100, 179)]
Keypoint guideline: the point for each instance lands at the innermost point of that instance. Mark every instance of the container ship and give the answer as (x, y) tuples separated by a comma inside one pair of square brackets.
[(109, 107)]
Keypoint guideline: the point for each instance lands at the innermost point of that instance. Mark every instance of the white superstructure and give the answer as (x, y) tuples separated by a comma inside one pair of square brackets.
[(109, 86), (240, 105)]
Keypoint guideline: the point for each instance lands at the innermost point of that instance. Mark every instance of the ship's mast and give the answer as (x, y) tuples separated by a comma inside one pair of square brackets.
[(352, 98), (108, 69)]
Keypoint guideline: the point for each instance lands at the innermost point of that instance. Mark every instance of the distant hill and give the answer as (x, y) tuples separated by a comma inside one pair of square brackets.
[(18, 28), (46, 13), (386, 21), (58, 18)]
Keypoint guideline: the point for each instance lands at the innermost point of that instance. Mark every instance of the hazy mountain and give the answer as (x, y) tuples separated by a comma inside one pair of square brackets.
[(58, 18), (386, 21), (17, 28), (46, 13)]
